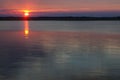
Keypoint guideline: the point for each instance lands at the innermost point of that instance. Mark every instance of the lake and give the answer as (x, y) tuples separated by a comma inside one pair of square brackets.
[(59, 50)]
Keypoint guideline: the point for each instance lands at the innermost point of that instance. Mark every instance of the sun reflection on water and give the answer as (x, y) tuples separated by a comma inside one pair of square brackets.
[(26, 29)]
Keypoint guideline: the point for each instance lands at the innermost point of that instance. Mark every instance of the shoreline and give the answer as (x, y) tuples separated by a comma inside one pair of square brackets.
[(60, 18)]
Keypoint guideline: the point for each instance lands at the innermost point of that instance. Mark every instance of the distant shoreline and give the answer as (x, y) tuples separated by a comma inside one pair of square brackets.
[(59, 18)]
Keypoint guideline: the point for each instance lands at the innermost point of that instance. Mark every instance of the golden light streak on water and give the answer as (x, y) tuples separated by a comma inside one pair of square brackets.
[(26, 29)]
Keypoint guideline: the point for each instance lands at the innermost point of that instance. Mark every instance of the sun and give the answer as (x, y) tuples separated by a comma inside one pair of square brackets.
[(26, 13)]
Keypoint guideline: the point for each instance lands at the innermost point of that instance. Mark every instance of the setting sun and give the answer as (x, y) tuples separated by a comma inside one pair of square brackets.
[(26, 13)]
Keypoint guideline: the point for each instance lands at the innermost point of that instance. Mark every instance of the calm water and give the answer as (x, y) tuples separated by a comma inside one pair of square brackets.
[(60, 50)]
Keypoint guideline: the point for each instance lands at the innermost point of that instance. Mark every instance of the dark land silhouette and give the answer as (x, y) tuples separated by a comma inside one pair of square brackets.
[(69, 18)]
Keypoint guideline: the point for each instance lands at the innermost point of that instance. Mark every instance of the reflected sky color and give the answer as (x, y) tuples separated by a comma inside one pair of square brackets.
[(60, 50), (59, 56)]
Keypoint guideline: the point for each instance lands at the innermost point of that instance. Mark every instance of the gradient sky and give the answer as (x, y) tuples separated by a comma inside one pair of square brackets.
[(61, 5), (76, 5)]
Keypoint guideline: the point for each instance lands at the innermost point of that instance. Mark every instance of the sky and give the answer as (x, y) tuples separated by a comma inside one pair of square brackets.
[(61, 5)]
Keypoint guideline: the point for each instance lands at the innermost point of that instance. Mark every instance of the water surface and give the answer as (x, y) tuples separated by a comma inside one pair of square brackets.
[(59, 50)]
